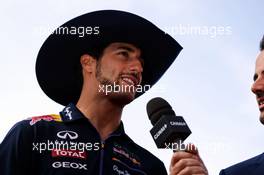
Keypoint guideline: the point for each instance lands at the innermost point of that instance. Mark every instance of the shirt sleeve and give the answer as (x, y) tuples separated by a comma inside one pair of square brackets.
[(159, 169), (163, 170), (222, 172), (16, 150)]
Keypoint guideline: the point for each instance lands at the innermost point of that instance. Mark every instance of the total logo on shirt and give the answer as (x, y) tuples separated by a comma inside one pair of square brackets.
[(69, 153)]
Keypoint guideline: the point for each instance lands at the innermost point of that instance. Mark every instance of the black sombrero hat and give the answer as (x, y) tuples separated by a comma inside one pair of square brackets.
[(58, 61)]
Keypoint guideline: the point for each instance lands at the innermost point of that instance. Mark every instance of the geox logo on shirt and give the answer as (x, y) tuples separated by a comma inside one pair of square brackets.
[(72, 165), (52, 117)]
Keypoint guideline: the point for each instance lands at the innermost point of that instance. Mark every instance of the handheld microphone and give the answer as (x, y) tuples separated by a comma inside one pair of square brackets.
[(169, 130)]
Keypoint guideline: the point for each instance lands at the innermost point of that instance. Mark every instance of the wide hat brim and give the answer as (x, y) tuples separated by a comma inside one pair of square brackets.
[(58, 61)]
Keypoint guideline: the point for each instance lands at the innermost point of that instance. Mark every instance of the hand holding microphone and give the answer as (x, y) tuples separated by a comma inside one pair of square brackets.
[(187, 162), (169, 131)]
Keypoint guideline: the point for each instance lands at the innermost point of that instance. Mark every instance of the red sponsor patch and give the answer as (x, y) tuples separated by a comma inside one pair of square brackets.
[(45, 117), (69, 153)]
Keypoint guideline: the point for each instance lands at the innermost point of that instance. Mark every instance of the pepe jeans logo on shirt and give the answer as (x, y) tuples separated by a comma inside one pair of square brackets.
[(120, 171), (122, 168)]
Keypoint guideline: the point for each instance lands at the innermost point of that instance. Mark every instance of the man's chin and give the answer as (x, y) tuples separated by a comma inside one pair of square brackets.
[(122, 98), (261, 118)]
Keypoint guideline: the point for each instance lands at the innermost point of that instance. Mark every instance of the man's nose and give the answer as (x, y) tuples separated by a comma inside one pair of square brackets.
[(258, 86), (136, 66)]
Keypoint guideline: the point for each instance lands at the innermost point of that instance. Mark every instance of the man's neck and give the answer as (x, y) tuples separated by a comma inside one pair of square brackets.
[(104, 115)]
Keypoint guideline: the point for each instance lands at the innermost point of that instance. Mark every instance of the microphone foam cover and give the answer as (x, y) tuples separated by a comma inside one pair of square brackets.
[(157, 107)]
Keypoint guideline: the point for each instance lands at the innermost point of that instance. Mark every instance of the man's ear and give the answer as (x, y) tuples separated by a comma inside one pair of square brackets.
[(88, 63)]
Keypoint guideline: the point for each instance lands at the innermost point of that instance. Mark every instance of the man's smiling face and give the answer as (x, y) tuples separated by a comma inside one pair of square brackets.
[(120, 66)]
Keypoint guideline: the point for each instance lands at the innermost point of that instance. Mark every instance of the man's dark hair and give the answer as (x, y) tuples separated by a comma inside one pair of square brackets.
[(96, 52), (262, 44)]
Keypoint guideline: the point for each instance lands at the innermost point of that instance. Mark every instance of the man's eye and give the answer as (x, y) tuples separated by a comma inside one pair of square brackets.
[(123, 53), (255, 77)]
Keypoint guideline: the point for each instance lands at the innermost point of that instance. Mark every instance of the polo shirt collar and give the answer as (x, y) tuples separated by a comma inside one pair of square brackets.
[(71, 113)]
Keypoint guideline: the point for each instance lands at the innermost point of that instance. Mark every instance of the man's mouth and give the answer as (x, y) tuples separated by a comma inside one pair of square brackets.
[(261, 103), (130, 80)]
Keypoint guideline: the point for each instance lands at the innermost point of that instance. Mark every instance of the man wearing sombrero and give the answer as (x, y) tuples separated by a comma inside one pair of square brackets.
[(118, 50)]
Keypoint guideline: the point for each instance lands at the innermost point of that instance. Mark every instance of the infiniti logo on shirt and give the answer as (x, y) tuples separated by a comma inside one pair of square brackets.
[(70, 134)]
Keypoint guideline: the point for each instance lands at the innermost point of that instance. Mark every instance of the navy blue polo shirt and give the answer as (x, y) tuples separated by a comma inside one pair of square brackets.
[(68, 144)]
